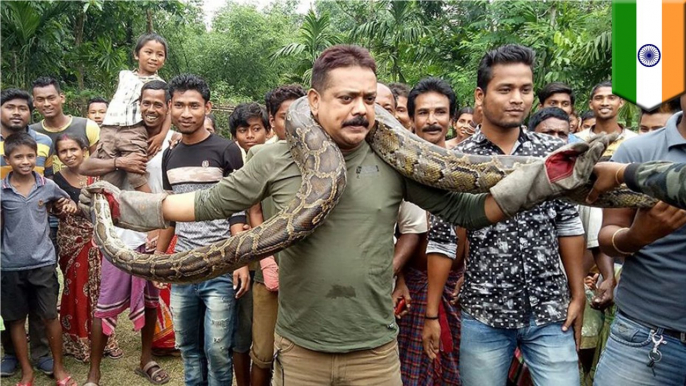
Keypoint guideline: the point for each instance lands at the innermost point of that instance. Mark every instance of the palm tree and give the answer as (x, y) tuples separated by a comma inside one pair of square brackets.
[(30, 31), (314, 36), (394, 34)]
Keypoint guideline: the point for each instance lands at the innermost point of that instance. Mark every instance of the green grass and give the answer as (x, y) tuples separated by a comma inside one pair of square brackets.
[(115, 372)]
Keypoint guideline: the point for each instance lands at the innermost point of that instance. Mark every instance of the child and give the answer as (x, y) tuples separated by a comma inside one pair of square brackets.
[(249, 126), (122, 131), (28, 257), (97, 109)]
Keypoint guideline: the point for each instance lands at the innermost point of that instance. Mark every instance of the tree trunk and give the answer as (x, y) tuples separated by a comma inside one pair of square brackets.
[(78, 40), (16, 70), (148, 14)]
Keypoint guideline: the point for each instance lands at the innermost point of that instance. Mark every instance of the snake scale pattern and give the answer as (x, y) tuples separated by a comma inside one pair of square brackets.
[(323, 181)]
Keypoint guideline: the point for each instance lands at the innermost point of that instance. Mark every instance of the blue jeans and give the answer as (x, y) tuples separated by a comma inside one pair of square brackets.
[(486, 353), (203, 316), (625, 359)]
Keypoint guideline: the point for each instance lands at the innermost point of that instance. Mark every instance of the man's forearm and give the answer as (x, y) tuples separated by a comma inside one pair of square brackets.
[(404, 248), (461, 209), (618, 243), (438, 270), (255, 215), (166, 126), (179, 207), (604, 263), (164, 239), (96, 167), (572, 252), (662, 180), (493, 211)]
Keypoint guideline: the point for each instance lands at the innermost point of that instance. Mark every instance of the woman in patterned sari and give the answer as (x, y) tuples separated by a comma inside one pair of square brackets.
[(163, 342), (79, 258)]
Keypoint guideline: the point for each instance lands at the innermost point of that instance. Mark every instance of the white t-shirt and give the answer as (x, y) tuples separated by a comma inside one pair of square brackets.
[(592, 220), (412, 219)]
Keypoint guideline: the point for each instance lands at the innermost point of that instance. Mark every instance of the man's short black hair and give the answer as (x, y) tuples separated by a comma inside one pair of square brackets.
[(672, 106), (399, 90), (15, 140), (339, 56), (15, 93), (587, 115), (162, 85), (555, 88), (97, 100), (595, 88), (431, 85), (275, 98), (245, 111), (45, 81), (507, 54), (547, 113), (186, 82)]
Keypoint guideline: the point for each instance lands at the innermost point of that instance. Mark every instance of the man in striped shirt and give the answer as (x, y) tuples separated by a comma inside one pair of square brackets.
[(16, 114)]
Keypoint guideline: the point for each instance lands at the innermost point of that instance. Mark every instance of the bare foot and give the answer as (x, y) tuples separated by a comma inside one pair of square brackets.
[(94, 376), (26, 378)]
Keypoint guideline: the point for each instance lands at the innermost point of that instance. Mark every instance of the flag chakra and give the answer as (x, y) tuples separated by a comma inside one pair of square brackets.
[(648, 54)]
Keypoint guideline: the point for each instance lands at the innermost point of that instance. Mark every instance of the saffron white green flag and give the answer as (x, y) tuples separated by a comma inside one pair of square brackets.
[(648, 49)]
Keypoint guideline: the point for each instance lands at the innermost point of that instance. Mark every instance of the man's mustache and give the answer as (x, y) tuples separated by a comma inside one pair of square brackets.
[(357, 121)]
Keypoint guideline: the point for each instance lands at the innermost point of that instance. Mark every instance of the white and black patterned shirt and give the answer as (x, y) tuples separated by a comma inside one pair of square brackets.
[(189, 168), (514, 270), (441, 238)]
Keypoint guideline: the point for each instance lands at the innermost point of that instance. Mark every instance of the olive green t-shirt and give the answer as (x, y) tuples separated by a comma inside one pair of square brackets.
[(268, 211), (335, 286)]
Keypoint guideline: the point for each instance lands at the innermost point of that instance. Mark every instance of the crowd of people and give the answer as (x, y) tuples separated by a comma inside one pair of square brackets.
[(401, 285)]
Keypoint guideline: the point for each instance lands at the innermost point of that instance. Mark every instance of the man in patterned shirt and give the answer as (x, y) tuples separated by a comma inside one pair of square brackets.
[(515, 293)]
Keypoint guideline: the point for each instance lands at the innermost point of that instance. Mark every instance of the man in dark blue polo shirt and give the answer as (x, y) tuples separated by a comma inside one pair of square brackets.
[(648, 336)]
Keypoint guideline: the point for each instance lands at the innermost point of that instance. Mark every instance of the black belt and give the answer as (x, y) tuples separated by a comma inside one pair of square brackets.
[(681, 336)]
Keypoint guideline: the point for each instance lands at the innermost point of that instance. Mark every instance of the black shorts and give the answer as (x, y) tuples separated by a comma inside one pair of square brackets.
[(32, 289)]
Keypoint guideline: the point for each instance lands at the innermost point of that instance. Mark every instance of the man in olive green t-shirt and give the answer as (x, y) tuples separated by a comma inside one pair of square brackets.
[(335, 321)]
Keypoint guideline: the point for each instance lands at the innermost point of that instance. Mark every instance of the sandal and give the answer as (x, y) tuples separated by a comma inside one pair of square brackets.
[(29, 383), (115, 353), (68, 381), (166, 352), (155, 376)]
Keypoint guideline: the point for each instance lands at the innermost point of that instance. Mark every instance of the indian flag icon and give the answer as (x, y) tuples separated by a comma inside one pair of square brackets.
[(648, 50)]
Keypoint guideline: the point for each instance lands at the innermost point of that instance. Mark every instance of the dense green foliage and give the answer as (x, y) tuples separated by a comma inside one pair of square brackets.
[(247, 50)]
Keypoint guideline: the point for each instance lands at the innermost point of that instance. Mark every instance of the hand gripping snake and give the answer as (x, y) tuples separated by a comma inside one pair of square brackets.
[(322, 166)]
